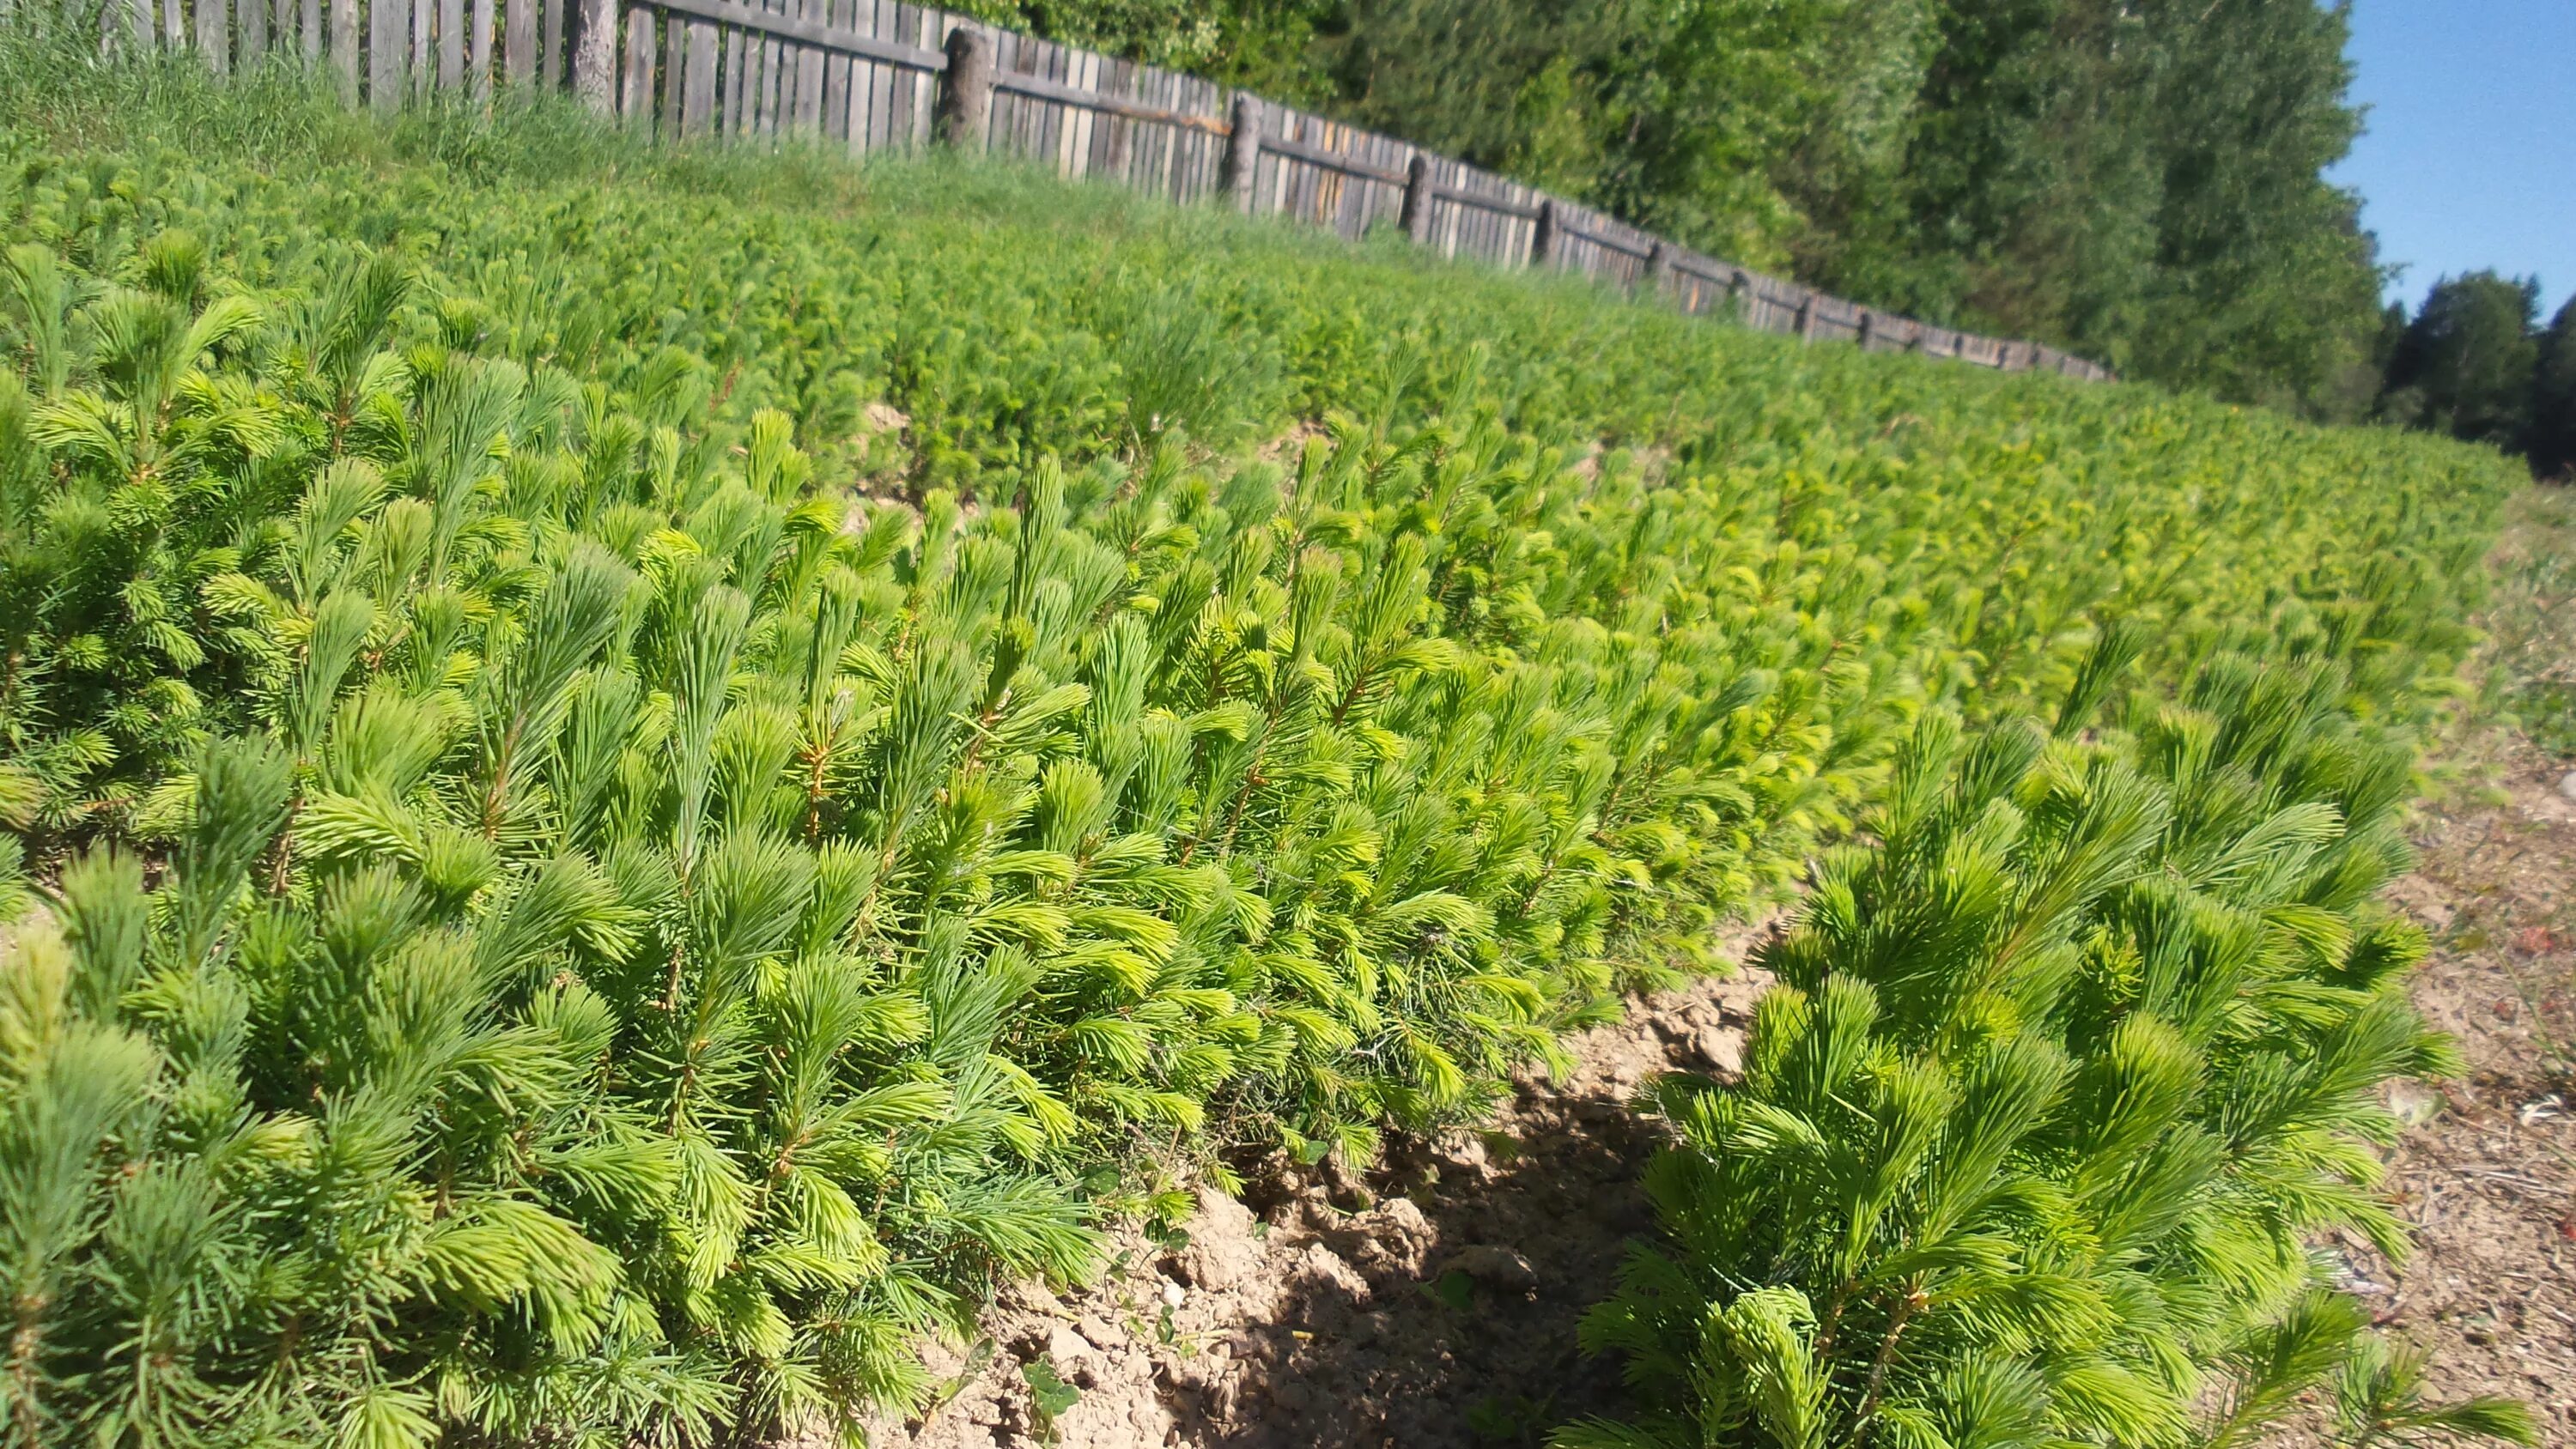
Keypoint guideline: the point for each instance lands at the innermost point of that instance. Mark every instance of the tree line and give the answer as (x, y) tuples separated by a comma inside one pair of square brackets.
[(2476, 362), (2138, 181)]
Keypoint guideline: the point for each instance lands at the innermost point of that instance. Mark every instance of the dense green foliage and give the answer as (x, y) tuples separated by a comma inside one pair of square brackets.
[(2551, 442), (2466, 363), (2136, 182), (2061, 1081), (602, 880), (2474, 362)]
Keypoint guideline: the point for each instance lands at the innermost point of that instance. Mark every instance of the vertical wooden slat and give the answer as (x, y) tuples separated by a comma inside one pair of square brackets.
[(635, 102), (881, 80), (809, 75), (871, 91), (309, 17), (835, 99), (1064, 121), (388, 43), (1000, 132), (594, 58), (758, 51), (519, 41), (922, 93), (775, 88), (699, 101), (736, 63), (781, 92), (1037, 118), (902, 96), (344, 47), (894, 86), (254, 32), (451, 45), (214, 30), (478, 50)]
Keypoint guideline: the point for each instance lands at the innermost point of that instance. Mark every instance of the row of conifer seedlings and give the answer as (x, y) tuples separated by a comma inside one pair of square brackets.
[(562, 928), (2064, 1121)]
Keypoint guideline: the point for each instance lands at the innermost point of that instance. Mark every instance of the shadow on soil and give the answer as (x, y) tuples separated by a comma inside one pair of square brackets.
[(1450, 1320)]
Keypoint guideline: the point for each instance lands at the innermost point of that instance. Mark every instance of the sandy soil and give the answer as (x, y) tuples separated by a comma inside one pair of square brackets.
[(1430, 1302), (2489, 1173)]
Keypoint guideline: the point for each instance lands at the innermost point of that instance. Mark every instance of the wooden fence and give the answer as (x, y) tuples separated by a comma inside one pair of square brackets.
[(875, 75)]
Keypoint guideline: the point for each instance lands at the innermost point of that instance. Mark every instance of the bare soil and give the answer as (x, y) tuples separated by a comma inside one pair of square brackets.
[(1431, 1301), (2488, 1174)]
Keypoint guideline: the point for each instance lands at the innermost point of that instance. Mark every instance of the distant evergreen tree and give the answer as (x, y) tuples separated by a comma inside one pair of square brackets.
[(2467, 362), (2552, 437)]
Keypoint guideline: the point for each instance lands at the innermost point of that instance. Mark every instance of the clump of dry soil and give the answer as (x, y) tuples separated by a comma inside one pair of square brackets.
[(1431, 1302)]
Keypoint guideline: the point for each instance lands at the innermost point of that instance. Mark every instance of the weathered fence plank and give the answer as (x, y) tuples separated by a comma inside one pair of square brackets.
[(388, 44), (874, 75)]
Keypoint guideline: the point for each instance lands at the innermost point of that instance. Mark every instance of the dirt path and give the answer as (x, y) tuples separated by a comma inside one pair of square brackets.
[(1432, 1304), (2488, 1175)]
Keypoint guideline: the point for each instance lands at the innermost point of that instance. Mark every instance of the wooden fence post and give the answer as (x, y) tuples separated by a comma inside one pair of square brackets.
[(478, 51), (451, 45), (636, 101), (1807, 318), (966, 90), (594, 56), (519, 41), (388, 43), (424, 64), (1417, 199), (344, 48), (1658, 266), (1243, 152), (1543, 240), (214, 28), (698, 106), (1868, 328)]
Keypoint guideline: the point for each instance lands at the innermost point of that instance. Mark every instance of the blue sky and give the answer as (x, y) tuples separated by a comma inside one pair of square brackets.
[(2471, 156)]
